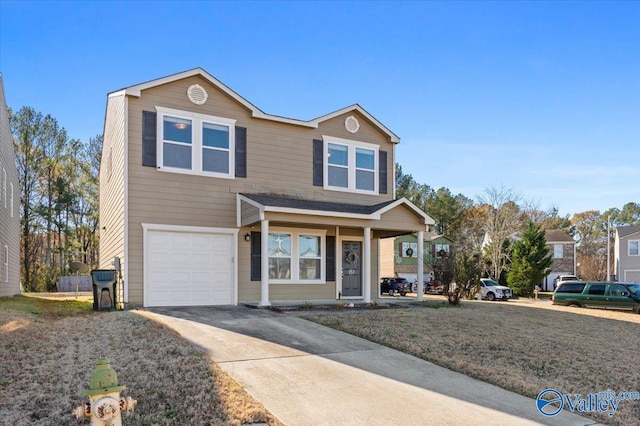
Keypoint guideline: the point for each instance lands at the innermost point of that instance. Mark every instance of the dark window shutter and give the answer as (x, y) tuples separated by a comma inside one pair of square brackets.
[(318, 163), (256, 257), (241, 152), (149, 138), (382, 172), (330, 266)]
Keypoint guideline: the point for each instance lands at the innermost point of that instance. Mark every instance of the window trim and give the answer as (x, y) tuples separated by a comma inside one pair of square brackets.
[(351, 165), (629, 248), (446, 247), (197, 146), (295, 233), (560, 248)]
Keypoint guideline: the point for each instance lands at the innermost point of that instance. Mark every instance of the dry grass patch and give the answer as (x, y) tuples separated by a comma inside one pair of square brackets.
[(518, 348), (48, 350)]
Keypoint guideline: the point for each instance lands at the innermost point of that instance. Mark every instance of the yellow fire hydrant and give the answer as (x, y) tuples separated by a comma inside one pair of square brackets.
[(105, 405)]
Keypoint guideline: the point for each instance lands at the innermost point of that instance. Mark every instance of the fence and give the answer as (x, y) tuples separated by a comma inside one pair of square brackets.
[(68, 283)]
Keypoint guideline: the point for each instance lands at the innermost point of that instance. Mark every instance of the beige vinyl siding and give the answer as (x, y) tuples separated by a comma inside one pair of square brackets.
[(249, 291), (387, 257), (279, 161), (250, 214), (112, 184), (400, 218), (9, 226)]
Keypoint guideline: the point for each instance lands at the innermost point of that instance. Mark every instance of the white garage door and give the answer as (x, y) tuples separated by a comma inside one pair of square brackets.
[(189, 268), (632, 276)]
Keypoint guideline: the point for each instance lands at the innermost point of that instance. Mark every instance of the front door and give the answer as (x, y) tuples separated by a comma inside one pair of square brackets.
[(351, 268)]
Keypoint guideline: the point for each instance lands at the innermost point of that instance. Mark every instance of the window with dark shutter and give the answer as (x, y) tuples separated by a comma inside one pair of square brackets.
[(318, 163), (241, 152), (330, 264), (256, 257), (382, 172), (149, 130)]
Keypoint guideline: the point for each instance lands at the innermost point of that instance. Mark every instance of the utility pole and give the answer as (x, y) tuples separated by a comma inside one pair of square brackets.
[(608, 247)]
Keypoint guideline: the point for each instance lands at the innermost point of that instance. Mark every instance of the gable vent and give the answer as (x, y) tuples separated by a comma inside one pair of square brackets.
[(197, 94)]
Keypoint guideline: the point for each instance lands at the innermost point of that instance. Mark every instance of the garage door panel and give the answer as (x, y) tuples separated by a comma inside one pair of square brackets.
[(632, 276), (188, 269)]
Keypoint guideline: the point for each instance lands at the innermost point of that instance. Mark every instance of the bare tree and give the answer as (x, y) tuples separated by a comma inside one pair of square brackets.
[(590, 230), (502, 221)]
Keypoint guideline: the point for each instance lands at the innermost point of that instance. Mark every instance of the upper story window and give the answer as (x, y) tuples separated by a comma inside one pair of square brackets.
[(350, 166), (558, 251), (634, 247), (442, 250), (195, 143)]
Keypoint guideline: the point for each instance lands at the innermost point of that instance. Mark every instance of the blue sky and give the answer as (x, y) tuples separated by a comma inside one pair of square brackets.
[(539, 97)]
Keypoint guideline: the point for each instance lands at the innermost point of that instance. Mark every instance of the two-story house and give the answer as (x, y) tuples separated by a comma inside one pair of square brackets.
[(400, 257), (563, 248), (627, 253), (9, 205), (207, 200)]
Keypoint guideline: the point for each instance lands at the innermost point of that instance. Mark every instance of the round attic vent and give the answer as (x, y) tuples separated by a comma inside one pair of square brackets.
[(351, 124), (197, 94)]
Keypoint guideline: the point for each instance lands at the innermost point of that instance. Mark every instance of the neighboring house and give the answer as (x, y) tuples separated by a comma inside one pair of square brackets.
[(404, 252), (627, 253), (9, 205), (563, 249), (207, 200)]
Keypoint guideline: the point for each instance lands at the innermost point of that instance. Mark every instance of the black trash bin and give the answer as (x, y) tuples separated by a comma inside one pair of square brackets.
[(104, 289)]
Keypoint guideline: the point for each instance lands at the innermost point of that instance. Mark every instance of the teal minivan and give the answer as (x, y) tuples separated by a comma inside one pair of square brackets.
[(603, 295)]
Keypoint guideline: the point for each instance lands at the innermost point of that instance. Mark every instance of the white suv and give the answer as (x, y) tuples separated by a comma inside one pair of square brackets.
[(491, 290), (562, 278)]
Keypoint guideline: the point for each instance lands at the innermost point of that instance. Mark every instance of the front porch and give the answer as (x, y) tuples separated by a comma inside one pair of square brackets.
[(311, 251)]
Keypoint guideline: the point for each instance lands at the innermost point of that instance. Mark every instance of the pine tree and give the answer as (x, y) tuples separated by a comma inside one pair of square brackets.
[(530, 260)]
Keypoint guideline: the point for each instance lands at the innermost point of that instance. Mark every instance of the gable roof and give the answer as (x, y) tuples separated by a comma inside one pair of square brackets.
[(625, 231), (325, 208), (437, 237), (256, 112), (558, 236)]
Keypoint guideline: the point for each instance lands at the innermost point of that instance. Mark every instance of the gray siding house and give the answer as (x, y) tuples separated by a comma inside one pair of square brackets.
[(627, 253), (9, 205), (563, 248), (208, 200)]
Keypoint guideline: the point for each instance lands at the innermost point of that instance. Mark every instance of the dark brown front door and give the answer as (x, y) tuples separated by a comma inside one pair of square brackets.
[(351, 268)]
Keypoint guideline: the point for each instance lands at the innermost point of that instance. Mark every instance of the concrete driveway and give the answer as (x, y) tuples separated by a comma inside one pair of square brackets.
[(308, 374)]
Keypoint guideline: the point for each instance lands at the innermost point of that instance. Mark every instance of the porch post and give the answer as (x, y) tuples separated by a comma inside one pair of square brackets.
[(420, 287), (264, 263), (366, 265)]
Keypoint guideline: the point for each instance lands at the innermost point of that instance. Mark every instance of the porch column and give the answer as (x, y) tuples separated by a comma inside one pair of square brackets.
[(420, 287), (264, 263), (366, 265)]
